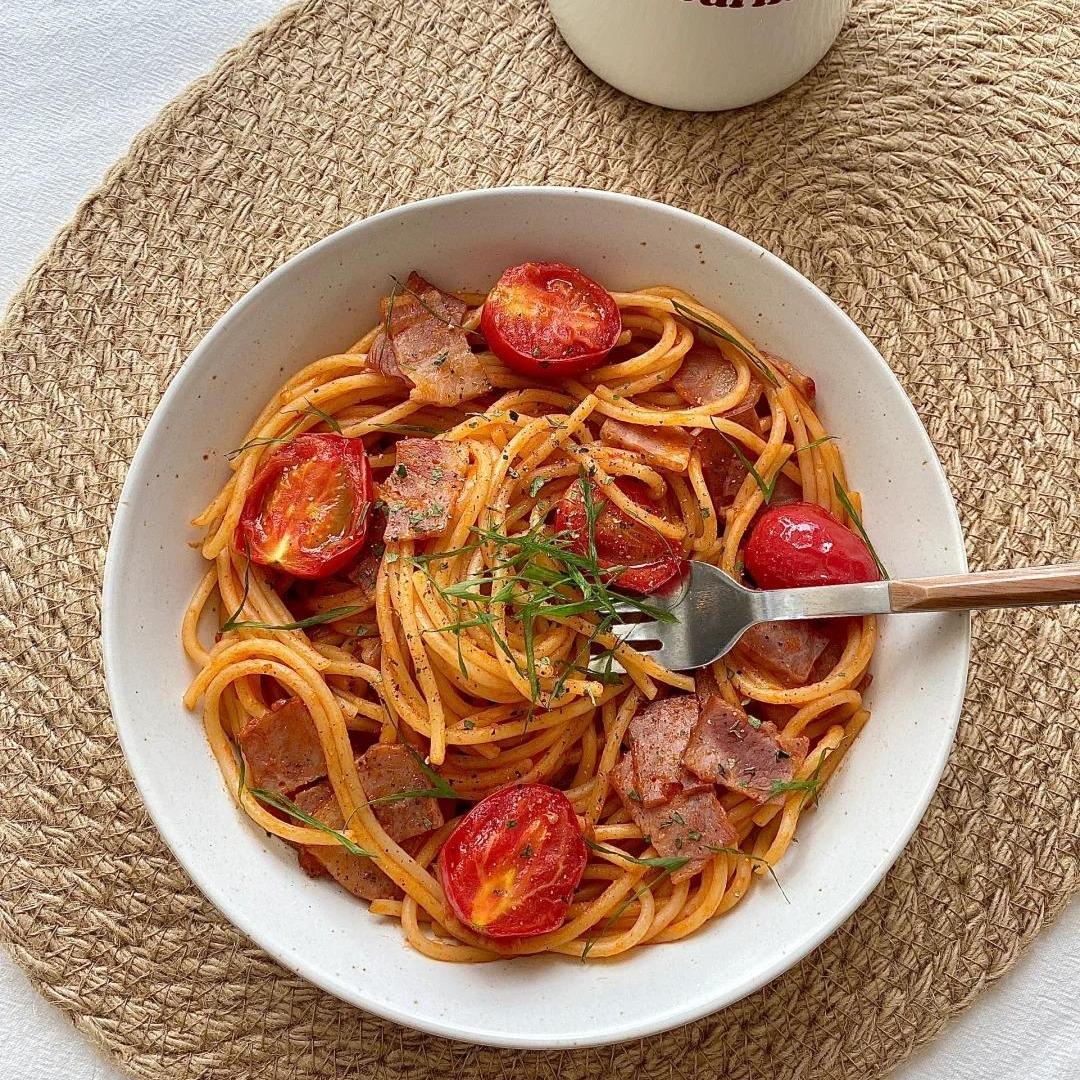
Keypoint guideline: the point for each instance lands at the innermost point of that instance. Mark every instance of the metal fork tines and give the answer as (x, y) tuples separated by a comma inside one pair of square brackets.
[(707, 611)]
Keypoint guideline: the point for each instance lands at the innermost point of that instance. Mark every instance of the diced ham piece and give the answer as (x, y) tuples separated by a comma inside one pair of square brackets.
[(358, 874), (310, 863), (803, 383), (282, 748), (666, 448), (364, 575), (389, 769), (724, 473), (776, 714), (309, 800), (786, 650), (355, 588), (426, 345), (687, 827), (384, 770), (369, 651), (423, 487), (705, 376), (742, 753), (785, 491), (657, 735), (836, 630)]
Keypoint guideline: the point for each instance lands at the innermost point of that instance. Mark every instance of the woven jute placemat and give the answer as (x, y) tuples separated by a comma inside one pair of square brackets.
[(924, 175)]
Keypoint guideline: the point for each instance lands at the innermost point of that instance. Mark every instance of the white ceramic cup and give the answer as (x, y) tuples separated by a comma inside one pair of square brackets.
[(700, 54)]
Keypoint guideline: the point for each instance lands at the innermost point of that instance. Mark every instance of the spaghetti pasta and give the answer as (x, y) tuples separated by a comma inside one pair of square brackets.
[(438, 644)]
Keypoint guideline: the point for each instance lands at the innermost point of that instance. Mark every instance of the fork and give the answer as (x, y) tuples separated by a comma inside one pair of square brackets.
[(711, 610)]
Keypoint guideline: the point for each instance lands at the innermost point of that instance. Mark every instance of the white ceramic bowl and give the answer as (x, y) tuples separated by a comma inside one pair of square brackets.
[(317, 303)]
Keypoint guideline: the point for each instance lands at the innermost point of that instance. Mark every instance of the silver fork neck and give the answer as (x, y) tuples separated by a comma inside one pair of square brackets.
[(870, 598)]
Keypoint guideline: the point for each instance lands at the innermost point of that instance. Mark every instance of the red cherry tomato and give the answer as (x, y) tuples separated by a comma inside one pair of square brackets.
[(800, 544), (511, 866), (308, 507), (620, 539), (548, 320)]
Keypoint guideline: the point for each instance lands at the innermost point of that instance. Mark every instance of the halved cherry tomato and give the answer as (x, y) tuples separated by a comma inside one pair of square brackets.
[(548, 320), (800, 544), (308, 507), (511, 866), (620, 539)]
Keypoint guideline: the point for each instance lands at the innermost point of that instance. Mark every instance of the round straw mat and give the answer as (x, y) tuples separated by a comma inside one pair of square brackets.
[(924, 175)]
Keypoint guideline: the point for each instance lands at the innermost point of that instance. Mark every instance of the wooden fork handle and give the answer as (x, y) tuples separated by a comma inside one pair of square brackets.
[(1025, 587)]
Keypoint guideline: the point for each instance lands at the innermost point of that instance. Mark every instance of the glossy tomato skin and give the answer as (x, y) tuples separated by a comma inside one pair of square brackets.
[(620, 540), (800, 544), (510, 868), (548, 320), (307, 510)]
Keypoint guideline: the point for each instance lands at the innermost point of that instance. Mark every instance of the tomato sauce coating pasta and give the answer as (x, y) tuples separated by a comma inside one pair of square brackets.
[(468, 645)]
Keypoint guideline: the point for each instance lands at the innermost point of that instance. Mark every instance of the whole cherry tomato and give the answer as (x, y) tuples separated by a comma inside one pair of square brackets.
[(548, 320), (620, 539), (800, 544), (510, 867), (307, 509)]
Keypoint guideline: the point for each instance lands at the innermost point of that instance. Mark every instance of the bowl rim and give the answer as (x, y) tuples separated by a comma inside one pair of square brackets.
[(111, 599)]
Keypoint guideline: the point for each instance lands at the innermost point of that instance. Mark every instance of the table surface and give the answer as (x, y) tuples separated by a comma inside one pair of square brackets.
[(82, 77)]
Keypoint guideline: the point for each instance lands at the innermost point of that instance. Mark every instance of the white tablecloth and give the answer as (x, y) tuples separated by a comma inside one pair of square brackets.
[(80, 78)]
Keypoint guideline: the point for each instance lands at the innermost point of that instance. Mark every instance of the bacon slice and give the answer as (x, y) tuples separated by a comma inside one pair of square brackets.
[(787, 650), (389, 769), (666, 448), (836, 631), (282, 748), (423, 487), (742, 753), (384, 770), (802, 382), (364, 575), (369, 651), (720, 466), (360, 875), (426, 345), (686, 827), (706, 375), (657, 736)]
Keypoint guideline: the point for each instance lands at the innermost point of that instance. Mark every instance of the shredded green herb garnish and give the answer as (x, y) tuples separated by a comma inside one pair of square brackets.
[(811, 786), (409, 429), (617, 913), (231, 621), (402, 287), (670, 863), (720, 332), (753, 859), (816, 443), (331, 615), (325, 417), (287, 806), (532, 576), (283, 437), (288, 433), (852, 513), (390, 313), (767, 489)]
